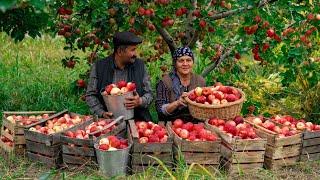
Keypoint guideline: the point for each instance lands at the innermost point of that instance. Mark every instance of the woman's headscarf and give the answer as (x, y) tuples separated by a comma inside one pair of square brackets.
[(176, 83)]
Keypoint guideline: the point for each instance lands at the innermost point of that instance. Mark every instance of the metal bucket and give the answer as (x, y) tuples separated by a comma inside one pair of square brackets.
[(113, 163), (115, 104)]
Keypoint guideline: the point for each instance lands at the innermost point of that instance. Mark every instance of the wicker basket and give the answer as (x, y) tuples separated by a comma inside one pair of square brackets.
[(224, 111)]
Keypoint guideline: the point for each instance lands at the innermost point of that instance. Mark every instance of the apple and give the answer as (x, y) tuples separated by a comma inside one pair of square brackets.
[(301, 126), (104, 141), (177, 123), (184, 133), (121, 84), (115, 91), (238, 120), (219, 95), (192, 96), (257, 121), (206, 91), (216, 102), (143, 140), (201, 99), (231, 98), (198, 91), (109, 88), (142, 125), (131, 86), (224, 101)]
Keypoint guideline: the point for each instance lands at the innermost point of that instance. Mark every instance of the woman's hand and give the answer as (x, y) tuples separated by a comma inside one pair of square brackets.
[(181, 101)]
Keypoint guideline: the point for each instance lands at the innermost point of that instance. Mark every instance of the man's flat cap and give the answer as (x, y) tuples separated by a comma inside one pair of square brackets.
[(126, 38)]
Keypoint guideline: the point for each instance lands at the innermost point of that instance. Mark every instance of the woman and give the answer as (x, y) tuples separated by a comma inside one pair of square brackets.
[(171, 90)]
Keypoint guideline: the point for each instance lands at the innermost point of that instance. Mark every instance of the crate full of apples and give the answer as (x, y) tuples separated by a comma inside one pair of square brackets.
[(311, 135), (147, 139), (12, 129), (241, 146), (78, 142), (43, 139), (195, 142), (114, 97), (223, 102), (283, 142)]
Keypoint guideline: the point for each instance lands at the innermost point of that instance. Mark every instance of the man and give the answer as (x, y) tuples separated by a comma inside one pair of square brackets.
[(121, 65)]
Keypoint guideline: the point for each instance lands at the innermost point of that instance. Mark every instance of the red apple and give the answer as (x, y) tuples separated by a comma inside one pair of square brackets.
[(121, 84), (131, 86), (184, 133), (201, 99), (143, 140), (177, 123), (231, 98), (238, 119), (206, 91), (104, 147), (192, 96)]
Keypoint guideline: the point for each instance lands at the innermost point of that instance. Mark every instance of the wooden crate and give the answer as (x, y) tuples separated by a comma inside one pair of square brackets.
[(310, 150), (240, 155), (46, 148), (280, 152), (15, 132), (206, 153), (77, 152), (141, 156)]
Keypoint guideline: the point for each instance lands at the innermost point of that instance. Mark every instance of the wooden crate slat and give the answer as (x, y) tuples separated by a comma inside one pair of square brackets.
[(145, 159), (311, 142), (52, 151), (236, 168), (201, 158), (310, 134), (279, 163), (27, 112), (283, 152), (77, 160), (310, 157), (48, 161), (242, 156), (81, 151), (311, 149), (14, 128)]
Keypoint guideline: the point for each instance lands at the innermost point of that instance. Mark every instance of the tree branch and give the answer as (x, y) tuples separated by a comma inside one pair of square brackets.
[(167, 38), (214, 65), (191, 33), (235, 11)]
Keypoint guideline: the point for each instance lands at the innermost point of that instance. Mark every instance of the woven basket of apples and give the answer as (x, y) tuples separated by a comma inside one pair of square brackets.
[(195, 142), (241, 146), (310, 133), (78, 142), (43, 140), (12, 130), (114, 96), (283, 142), (113, 154), (220, 101), (149, 139)]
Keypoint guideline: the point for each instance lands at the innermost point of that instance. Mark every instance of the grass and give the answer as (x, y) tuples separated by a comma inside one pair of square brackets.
[(32, 78)]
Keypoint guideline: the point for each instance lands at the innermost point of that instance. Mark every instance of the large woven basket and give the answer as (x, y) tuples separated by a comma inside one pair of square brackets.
[(223, 111)]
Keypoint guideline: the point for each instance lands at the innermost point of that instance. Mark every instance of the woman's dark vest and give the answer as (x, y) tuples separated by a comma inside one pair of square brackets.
[(105, 71)]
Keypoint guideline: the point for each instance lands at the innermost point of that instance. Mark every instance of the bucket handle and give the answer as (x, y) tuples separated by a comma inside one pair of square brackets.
[(109, 125)]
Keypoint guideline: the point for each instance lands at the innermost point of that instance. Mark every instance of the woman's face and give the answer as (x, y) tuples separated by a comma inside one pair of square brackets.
[(184, 65)]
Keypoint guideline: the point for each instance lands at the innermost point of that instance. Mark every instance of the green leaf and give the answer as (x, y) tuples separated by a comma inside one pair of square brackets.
[(6, 4)]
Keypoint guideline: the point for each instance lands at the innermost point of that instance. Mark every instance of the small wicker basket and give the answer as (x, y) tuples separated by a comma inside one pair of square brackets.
[(223, 111)]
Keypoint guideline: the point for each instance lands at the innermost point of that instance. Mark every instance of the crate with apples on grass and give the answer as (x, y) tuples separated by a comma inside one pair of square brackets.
[(195, 143), (310, 150), (43, 139), (242, 149), (12, 139), (283, 142), (149, 140), (78, 142)]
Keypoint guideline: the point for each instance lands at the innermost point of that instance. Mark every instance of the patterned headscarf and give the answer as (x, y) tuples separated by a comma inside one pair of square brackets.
[(176, 83), (182, 51)]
